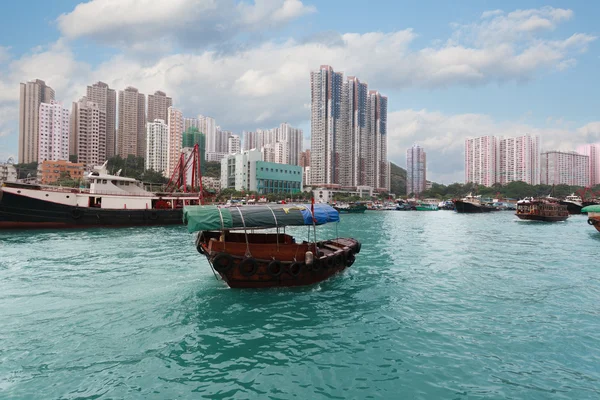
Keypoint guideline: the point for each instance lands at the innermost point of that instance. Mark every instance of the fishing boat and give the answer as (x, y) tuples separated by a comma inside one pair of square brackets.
[(472, 204), (351, 208), (248, 247), (593, 212), (542, 209), (426, 207), (110, 201), (574, 204)]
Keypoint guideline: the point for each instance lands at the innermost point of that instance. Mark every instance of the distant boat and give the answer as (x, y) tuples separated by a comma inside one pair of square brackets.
[(472, 204), (593, 212), (426, 207), (542, 209), (352, 208), (573, 203)]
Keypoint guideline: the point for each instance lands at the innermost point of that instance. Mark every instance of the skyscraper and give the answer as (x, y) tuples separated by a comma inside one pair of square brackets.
[(519, 160), (88, 133), (249, 140), (234, 145), (481, 160), (593, 152), (568, 168), (131, 137), (157, 142), (53, 132), (349, 132), (326, 101), (32, 94), (293, 138), (106, 99), (416, 170), (191, 123), (176, 124), (158, 106)]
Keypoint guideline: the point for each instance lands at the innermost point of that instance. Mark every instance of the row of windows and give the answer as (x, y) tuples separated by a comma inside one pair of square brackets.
[(283, 171)]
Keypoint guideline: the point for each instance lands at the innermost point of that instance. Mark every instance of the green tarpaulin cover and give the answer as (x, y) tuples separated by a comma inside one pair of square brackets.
[(594, 208)]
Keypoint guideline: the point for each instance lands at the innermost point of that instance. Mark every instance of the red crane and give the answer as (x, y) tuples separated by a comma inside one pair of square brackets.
[(178, 180)]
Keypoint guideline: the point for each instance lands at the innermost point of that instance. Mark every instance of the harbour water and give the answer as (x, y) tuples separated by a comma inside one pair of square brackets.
[(438, 305)]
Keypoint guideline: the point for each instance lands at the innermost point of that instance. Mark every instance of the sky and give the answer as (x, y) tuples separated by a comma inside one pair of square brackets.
[(451, 70)]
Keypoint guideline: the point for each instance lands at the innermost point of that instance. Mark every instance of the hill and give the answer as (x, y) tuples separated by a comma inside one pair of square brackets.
[(398, 180)]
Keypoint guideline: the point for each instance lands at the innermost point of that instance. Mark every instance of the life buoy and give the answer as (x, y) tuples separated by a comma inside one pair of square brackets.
[(274, 268), (248, 266), (76, 213), (294, 269), (222, 262)]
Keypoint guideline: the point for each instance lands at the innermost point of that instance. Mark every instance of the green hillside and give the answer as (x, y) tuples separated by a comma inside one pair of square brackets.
[(398, 180)]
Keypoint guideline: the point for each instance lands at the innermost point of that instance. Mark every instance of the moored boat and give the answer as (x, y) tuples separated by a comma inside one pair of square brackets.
[(574, 204), (593, 212), (426, 207), (472, 204), (246, 257), (352, 208), (542, 209)]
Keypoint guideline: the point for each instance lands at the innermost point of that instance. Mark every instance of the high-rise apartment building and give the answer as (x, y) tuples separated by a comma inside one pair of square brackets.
[(157, 142), (349, 132), (561, 167), (88, 132), (519, 160), (234, 145), (106, 99), (304, 159), (131, 138), (593, 152), (191, 123), (32, 94), (249, 140), (416, 170), (54, 126), (481, 160), (176, 125), (293, 138), (158, 106), (491, 159)]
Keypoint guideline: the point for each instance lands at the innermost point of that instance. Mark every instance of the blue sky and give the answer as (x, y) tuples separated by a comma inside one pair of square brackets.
[(451, 70)]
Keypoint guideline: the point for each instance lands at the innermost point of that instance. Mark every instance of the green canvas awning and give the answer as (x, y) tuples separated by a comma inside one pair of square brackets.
[(594, 208)]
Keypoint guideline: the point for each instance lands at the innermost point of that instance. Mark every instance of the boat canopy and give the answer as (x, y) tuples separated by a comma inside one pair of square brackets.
[(210, 218), (593, 208)]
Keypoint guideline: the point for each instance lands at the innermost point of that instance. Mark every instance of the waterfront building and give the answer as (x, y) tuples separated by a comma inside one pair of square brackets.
[(234, 145), (304, 160), (176, 124), (157, 146), (132, 123), (88, 133), (568, 168), (593, 152), (8, 173), (481, 160), (306, 174), (416, 170), (210, 183), (268, 152), (32, 94), (348, 132), (106, 99), (248, 172), (53, 132), (51, 170), (158, 106), (519, 160)]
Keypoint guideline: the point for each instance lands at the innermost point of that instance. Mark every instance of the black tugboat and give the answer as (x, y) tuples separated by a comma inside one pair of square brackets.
[(573, 203), (472, 204)]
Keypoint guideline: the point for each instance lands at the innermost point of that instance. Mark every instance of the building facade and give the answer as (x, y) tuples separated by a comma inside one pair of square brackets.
[(519, 160), (32, 94), (88, 132), (157, 142), (158, 106), (176, 126), (51, 170), (568, 168), (8, 173), (481, 160), (131, 136), (53, 132), (416, 170), (593, 152), (348, 132), (106, 99), (234, 145)]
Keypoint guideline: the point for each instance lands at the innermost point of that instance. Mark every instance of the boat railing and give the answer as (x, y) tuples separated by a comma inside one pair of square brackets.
[(63, 189)]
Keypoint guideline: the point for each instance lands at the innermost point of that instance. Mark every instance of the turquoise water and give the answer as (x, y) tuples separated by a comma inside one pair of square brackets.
[(438, 306)]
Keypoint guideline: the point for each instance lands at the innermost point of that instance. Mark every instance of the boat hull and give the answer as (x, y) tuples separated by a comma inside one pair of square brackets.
[(554, 218), (595, 222), (469, 208), (22, 212), (357, 210), (572, 208), (240, 273)]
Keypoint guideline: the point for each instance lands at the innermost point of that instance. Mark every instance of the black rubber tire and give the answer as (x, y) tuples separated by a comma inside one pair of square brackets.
[(294, 269), (76, 213), (275, 268), (222, 262), (248, 262), (591, 222), (199, 244), (358, 246)]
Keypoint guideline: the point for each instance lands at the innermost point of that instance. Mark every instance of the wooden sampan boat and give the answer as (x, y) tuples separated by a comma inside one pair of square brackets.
[(245, 257)]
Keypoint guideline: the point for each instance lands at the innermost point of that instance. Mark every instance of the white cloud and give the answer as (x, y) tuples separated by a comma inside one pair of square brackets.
[(4, 54), (192, 23), (443, 137)]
